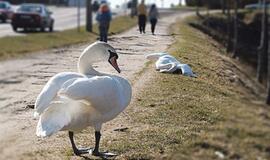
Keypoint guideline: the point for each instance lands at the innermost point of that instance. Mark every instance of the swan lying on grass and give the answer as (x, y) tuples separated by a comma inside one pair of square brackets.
[(73, 101), (166, 63)]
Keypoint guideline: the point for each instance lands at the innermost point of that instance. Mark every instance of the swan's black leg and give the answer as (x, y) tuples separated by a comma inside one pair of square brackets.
[(97, 137), (75, 149), (96, 149)]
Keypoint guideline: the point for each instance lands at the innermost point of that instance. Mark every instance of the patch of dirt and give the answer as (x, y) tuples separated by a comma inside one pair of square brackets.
[(22, 79)]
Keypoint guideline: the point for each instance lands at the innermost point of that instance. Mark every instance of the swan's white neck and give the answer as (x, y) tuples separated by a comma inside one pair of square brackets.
[(85, 66)]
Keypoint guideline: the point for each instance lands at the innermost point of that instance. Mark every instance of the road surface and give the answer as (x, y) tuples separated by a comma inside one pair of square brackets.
[(65, 18)]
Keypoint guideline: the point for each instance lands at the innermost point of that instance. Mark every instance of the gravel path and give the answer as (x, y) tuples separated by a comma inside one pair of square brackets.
[(22, 79)]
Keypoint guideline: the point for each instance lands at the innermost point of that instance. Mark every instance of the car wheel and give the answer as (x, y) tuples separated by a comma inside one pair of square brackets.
[(42, 29), (14, 28), (51, 28), (4, 20)]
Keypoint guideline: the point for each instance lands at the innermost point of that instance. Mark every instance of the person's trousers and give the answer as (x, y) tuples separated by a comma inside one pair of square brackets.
[(153, 22), (103, 32), (142, 23)]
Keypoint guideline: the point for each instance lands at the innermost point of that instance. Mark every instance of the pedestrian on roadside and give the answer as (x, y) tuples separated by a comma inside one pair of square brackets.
[(142, 11), (153, 17), (104, 17)]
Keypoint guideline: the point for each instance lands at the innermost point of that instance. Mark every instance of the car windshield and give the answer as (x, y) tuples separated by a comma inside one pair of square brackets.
[(3, 6), (30, 8)]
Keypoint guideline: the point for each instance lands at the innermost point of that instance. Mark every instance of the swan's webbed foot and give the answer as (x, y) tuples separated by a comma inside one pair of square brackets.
[(80, 151), (102, 154), (77, 151)]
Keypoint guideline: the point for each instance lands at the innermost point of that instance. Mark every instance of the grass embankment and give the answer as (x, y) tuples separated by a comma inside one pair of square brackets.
[(208, 117), (18, 45), (249, 28)]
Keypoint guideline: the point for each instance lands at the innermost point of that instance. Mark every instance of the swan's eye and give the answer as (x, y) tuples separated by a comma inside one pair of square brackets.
[(113, 54)]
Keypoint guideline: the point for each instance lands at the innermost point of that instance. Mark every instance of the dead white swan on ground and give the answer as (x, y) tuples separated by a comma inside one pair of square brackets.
[(166, 63), (73, 101)]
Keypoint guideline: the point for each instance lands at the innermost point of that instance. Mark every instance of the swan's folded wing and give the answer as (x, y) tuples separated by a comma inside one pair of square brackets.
[(95, 89), (53, 119), (50, 90), (169, 67)]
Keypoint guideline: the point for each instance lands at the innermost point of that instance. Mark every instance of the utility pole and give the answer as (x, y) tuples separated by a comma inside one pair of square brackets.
[(78, 15), (235, 41), (263, 48), (268, 63), (89, 20)]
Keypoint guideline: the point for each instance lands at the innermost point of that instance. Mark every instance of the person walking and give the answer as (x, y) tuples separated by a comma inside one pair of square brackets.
[(153, 16), (104, 17), (142, 11)]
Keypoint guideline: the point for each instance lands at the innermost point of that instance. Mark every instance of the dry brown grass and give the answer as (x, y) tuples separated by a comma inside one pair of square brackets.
[(179, 117)]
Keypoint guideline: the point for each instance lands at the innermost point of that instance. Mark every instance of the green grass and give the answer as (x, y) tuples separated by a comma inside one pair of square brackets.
[(18, 45), (179, 117)]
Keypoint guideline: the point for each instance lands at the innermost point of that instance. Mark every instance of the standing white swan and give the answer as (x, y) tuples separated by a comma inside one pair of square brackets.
[(73, 101)]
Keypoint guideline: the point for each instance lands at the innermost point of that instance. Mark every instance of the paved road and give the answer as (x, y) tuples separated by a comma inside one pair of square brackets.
[(65, 18)]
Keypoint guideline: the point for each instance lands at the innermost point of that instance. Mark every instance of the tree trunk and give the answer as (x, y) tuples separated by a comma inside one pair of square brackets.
[(207, 14), (229, 27), (198, 8), (268, 60), (199, 4), (89, 21), (222, 3), (235, 29), (262, 49)]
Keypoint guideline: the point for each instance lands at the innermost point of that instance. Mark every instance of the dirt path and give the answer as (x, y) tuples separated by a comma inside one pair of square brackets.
[(22, 79)]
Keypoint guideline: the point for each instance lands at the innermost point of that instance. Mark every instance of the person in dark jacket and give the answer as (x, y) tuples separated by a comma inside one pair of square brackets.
[(153, 16), (104, 17), (142, 11)]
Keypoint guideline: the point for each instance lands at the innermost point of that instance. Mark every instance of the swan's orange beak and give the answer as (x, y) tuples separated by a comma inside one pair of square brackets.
[(113, 62)]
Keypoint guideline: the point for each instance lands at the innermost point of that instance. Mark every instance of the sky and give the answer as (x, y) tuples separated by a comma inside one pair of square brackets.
[(167, 3)]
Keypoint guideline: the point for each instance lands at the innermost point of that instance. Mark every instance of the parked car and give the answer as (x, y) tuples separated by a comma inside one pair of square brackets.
[(32, 16), (6, 11)]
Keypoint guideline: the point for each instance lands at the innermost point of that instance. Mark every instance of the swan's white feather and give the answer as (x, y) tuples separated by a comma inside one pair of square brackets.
[(67, 114), (106, 93), (53, 119), (50, 90)]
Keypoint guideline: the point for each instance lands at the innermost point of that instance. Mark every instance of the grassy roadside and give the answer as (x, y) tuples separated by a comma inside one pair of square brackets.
[(208, 117), (14, 46)]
